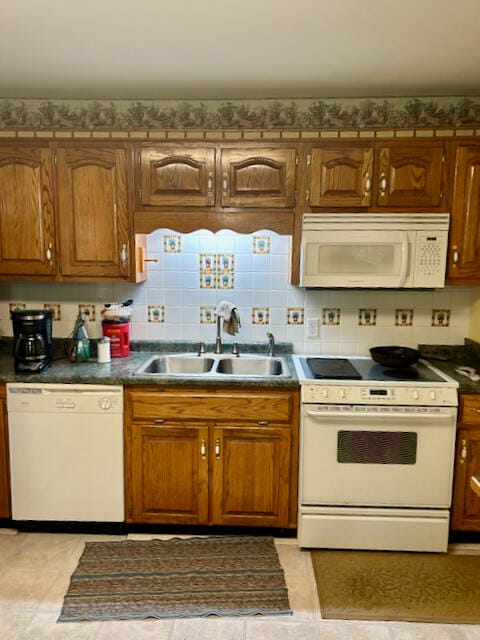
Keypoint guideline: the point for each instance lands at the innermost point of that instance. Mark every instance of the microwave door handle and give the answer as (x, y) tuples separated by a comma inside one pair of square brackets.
[(404, 264)]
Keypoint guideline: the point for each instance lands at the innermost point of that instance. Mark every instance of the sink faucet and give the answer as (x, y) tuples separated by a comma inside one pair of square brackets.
[(271, 344), (218, 341)]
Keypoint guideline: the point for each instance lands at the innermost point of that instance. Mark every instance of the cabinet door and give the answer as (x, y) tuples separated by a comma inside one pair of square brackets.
[(341, 176), (167, 474), (464, 245), (466, 504), (176, 176), (27, 233), (410, 175), (93, 211), (250, 475), (4, 460), (261, 178)]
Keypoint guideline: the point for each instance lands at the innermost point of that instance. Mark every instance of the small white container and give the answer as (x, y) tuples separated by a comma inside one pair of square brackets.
[(103, 350)]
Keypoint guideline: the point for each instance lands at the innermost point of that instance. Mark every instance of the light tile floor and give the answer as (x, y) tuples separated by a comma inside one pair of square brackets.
[(36, 568)]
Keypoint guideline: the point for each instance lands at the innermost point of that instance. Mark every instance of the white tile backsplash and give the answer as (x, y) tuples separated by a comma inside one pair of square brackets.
[(260, 280)]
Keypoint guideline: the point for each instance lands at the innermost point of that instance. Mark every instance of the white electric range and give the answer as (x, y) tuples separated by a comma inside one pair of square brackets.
[(376, 454)]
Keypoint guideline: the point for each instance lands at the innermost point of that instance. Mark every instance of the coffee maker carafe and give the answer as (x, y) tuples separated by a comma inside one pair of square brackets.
[(32, 339)]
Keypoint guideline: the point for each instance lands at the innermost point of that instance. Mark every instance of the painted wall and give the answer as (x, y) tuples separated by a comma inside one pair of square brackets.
[(196, 271)]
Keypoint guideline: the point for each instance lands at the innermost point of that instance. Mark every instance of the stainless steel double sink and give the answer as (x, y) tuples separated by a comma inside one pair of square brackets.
[(213, 365)]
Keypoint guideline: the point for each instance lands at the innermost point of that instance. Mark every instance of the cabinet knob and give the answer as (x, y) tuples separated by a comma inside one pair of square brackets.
[(368, 184), (225, 184), (456, 255), (463, 452), (203, 449), (262, 422), (217, 448)]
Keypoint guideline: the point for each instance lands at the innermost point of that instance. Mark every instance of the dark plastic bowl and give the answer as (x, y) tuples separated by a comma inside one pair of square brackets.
[(395, 356)]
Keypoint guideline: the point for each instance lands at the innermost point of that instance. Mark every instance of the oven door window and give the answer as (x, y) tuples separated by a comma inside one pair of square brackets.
[(377, 447)]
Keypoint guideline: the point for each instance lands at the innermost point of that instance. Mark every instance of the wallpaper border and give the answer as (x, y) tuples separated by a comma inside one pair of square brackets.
[(284, 114)]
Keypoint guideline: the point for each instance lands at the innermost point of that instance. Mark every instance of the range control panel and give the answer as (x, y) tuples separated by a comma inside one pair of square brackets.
[(436, 395)]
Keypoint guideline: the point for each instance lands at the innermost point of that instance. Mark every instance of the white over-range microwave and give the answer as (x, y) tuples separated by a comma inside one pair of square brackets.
[(401, 250)]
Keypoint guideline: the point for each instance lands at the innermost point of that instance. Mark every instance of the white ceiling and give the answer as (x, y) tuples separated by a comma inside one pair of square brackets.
[(192, 49)]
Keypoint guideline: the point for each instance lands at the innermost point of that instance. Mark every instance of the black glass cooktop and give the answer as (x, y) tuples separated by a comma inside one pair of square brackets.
[(318, 368)]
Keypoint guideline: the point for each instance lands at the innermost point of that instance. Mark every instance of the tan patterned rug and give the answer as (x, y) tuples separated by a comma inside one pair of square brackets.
[(391, 585), (176, 578)]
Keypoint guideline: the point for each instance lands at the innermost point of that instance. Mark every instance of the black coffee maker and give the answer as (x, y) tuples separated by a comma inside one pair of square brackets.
[(32, 340)]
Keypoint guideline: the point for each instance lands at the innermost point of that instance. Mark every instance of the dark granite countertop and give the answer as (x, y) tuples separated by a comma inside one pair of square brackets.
[(122, 370), (448, 358)]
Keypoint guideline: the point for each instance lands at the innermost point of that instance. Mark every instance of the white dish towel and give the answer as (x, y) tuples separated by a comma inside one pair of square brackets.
[(230, 315)]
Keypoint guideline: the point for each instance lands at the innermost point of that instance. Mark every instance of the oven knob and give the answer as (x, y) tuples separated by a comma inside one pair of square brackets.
[(433, 395), (324, 393), (341, 393), (415, 395)]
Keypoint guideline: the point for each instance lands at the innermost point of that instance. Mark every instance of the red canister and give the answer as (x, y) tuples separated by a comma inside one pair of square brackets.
[(119, 334)]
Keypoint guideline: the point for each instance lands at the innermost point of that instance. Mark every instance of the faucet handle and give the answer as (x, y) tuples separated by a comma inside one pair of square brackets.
[(235, 351), (201, 348)]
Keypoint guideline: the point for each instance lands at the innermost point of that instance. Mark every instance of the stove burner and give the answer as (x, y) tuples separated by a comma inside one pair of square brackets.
[(405, 373), (333, 369)]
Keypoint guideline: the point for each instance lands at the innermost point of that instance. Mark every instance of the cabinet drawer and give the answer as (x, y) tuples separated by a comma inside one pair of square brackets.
[(209, 405), (470, 409)]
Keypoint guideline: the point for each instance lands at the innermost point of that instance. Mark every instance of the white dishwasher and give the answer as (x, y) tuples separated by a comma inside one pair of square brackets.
[(66, 452)]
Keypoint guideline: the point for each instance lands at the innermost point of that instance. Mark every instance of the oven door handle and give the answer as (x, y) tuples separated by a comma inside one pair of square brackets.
[(433, 417)]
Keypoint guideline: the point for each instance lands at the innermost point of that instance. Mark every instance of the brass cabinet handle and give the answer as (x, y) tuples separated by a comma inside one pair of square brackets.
[(203, 449), (49, 254), (225, 183), (217, 448), (159, 420), (383, 184), (262, 422), (463, 452), (456, 255), (368, 184), (210, 184), (123, 255)]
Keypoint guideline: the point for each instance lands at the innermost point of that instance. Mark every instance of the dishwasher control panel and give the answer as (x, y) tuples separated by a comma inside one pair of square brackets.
[(64, 398)]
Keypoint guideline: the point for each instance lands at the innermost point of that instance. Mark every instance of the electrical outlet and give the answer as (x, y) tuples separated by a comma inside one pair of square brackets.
[(312, 327)]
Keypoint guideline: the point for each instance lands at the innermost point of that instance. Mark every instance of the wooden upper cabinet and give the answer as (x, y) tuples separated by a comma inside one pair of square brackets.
[(341, 176), (177, 175), (93, 211), (410, 175), (27, 234), (263, 178), (377, 176), (233, 176), (463, 263)]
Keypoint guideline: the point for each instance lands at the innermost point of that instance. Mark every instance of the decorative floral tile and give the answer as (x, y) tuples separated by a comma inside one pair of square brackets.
[(261, 245), (440, 317), (208, 280), (260, 315), (331, 316), (367, 317), (208, 262), (207, 315), (156, 313), (172, 244), (17, 306), (225, 281), (403, 317), (55, 309), (295, 315), (88, 310), (225, 262)]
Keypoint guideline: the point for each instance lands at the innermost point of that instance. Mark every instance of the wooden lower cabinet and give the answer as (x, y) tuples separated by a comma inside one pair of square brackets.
[(4, 459), (465, 514), (211, 456)]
